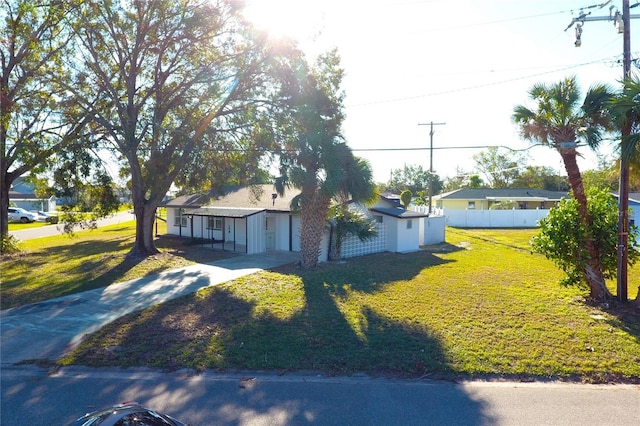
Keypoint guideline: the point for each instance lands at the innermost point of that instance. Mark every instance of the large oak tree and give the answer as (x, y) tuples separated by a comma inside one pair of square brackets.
[(37, 117), (168, 74)]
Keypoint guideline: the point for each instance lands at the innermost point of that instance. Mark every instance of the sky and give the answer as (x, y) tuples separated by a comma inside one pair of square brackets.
[(465, 64)]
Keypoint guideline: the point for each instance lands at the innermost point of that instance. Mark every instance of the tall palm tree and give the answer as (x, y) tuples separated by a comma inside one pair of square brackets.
[(561, 122), (625, 110), (315, 157)]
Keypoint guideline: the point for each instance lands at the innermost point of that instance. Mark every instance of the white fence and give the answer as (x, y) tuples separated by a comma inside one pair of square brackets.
[(432, 230), (515, 218)]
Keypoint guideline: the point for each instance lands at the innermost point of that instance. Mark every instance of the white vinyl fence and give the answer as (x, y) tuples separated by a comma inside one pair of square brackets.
[(515, 218)]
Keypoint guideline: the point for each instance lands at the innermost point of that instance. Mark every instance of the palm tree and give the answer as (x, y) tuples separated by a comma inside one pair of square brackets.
[(315, 158), (560, 122), (625, 110), (355, 185)]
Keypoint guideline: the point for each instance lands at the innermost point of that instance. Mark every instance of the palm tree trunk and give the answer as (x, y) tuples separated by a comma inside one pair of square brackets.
[(592, 271), (312, 223)]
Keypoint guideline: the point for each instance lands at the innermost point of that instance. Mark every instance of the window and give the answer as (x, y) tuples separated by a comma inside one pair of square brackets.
[(409, 224), (378, 218), (214, 222), (180, 219), (471, 205)]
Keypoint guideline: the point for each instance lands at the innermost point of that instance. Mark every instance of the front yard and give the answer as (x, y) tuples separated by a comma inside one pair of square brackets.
[(479, 306)]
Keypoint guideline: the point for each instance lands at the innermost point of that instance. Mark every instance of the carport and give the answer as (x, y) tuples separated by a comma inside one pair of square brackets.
[(233, 229)]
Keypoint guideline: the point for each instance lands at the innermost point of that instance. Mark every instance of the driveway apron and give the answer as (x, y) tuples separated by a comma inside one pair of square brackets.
[(49, 329)]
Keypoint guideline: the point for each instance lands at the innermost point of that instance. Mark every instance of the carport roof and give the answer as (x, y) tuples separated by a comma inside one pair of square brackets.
[(223, 212)]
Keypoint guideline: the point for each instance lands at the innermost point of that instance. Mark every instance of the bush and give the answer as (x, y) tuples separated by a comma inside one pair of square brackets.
[(9, 244), (561, 235)]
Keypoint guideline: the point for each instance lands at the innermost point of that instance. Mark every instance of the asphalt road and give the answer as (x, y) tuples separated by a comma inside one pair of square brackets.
[(34, 396)]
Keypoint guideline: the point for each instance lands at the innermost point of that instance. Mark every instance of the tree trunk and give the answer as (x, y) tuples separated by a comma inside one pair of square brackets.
[(312, 225), (4, 205), (592, 268), (144, 244)]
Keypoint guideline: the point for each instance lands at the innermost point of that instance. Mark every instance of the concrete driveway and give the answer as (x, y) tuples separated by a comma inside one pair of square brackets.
[(48, 329)]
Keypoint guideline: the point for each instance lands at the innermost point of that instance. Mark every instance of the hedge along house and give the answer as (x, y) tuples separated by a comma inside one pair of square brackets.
[(256, 219)]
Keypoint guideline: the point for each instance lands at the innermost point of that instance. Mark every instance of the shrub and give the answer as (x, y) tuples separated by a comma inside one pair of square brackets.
[(561, 235)]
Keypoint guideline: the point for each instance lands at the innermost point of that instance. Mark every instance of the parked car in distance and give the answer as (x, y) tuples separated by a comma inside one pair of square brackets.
[(127, 413), (16, 214), (45, 216)]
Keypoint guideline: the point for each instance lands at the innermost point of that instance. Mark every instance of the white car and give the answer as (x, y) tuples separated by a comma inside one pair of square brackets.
[(16, 214), (45, 217)]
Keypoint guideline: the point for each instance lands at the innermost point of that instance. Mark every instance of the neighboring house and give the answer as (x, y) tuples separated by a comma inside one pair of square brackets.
[(634, 205), (256, 219), (21, 195), (475, 207)]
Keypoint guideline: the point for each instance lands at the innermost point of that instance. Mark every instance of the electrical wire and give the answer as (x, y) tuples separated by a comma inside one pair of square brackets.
[(479, 86)]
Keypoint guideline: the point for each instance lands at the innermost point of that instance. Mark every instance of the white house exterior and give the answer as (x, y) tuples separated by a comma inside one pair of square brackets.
[(256, 220), (242, 220)]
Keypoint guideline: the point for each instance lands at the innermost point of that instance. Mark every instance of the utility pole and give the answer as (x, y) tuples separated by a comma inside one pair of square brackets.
[(431, 124), (623, 190), (622, 24)]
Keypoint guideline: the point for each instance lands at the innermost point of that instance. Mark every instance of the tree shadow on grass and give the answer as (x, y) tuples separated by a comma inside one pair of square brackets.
[(626, 317), (97, 264), (220, 331), (373, 272)]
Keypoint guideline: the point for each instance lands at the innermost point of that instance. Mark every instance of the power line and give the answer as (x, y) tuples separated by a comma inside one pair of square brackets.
[(443, 147), (479, 86)]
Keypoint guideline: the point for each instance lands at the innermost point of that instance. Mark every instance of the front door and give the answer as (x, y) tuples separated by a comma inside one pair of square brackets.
[(270, 234)]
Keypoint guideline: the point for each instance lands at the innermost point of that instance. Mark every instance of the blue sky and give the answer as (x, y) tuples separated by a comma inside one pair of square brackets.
[(463, 63)]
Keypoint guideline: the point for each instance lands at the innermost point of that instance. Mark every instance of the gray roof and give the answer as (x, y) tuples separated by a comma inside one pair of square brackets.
[(184, 201), (223, 212), (13, 195), (503, 194), (261, 197), (398, 212), (633, 196)]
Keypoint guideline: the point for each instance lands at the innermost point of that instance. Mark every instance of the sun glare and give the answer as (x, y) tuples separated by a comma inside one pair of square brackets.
[(297, 19)]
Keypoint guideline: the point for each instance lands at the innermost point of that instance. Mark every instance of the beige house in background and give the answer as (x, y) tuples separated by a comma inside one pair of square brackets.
[(484, 198), (472, 207)]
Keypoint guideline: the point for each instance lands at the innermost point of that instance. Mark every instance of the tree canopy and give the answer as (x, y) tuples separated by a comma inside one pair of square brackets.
[(38, 117), (166, 84)]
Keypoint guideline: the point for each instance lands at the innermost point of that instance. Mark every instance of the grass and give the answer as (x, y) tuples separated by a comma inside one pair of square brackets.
[(480, 306), (59, 265), (17, 226)]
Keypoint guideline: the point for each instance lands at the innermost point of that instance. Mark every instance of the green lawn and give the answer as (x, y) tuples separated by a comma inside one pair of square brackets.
[(17, 226), (59, 265), (480, 306)]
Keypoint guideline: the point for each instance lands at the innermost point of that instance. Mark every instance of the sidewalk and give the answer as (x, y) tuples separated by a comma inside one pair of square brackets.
[(48, 329)]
